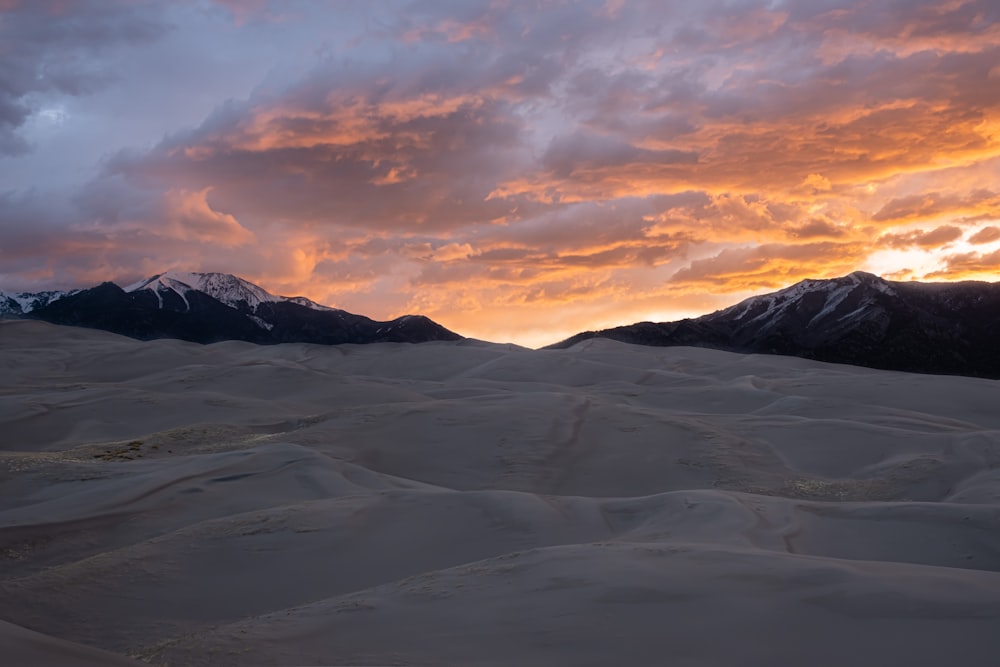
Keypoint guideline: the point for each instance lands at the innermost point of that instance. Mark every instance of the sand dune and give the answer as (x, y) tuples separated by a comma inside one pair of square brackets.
[(24, 647), (477, 504)]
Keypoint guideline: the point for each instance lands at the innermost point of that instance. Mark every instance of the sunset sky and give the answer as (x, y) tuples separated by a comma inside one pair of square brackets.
[(516, 170)]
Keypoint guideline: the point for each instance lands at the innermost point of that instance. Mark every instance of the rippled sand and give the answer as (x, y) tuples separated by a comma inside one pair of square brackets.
[(477, 504)]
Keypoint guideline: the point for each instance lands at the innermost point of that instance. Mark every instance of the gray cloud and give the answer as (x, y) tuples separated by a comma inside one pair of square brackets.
[(55, 47)]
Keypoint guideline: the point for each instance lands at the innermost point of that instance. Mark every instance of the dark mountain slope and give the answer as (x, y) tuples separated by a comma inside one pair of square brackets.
[(201, 319), (860, 319), (212, 307)]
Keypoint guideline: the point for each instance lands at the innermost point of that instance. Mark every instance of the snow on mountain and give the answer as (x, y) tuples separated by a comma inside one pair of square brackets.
[(858, 319), (231, 290), (22, 303), (813, 303), (228, 289), (213, 307), (308, 303), (8, 306)]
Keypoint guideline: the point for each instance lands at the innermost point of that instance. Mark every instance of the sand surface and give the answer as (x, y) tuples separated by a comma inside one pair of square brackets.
[(477, 504)]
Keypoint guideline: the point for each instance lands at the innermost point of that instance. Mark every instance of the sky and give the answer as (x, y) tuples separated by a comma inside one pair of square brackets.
[(517, 170)]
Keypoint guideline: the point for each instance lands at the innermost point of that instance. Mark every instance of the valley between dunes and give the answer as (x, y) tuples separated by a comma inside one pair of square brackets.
[(472, 504)]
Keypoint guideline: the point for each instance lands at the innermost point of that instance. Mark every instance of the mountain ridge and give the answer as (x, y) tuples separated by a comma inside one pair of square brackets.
[(212, 307), (859, 319)]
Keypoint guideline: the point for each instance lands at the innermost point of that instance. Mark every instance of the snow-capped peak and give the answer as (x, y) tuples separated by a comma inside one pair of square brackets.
[(231, 290), (227, 288), (224, 287), (24, 302), (826, 296), (8, 304)]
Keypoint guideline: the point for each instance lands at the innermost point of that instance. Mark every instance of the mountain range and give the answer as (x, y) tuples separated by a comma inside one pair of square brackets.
[(859, 319), (212, 307)]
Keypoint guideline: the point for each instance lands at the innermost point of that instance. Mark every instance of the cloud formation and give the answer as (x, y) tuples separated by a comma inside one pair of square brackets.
[(492, 163), (47, 50)]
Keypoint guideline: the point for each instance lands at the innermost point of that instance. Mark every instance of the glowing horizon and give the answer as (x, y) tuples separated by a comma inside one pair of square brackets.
[(517, 171)]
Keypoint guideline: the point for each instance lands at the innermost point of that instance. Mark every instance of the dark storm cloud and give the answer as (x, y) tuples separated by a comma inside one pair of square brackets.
[(53, 47)]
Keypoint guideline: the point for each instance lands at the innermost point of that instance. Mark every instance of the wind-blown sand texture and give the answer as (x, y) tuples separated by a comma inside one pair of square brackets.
[(477, 504)]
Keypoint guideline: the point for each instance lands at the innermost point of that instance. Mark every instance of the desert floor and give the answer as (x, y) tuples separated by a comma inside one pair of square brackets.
[(479, 504)]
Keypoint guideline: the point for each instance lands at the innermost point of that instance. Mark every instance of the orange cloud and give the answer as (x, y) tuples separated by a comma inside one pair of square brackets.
[(937, 237), (492, 164), (985, 235), (969, 265), (935, 204), (189, 217), (769, 265)]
